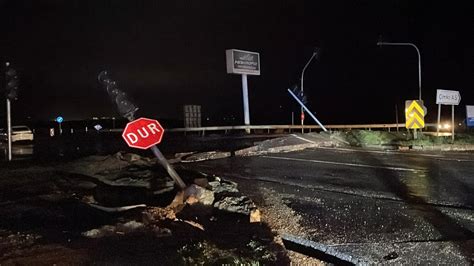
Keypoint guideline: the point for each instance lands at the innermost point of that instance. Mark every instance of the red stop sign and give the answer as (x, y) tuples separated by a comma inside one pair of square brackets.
[(143, 133)]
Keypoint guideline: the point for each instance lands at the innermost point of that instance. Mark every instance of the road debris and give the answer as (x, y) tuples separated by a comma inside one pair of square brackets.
[(87, 206)]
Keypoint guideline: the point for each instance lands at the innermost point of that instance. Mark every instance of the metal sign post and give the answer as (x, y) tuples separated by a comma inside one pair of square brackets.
[(9, 131), (127, 109), (439, 120), (60, 120), (452, 123), (145, 133), (161, 158)]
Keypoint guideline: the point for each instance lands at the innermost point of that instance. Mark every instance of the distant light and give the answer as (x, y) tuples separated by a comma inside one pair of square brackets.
[(59, 119), (98, 127), (444, 126)]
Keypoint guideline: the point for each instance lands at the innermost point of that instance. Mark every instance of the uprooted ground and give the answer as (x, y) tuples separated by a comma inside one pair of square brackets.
[(123, 209)]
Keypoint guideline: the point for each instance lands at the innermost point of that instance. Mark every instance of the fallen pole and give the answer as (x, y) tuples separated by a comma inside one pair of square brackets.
[(307, 110)]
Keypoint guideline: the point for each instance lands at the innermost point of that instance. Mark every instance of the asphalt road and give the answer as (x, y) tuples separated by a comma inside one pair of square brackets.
[(72, 146), (385, 207)]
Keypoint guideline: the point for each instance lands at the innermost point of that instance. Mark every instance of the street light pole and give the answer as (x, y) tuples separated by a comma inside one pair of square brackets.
[(315, 52), (419, 59), (419, 67)]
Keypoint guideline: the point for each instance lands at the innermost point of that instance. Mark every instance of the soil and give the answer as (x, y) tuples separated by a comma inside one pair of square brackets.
[(46, 221)]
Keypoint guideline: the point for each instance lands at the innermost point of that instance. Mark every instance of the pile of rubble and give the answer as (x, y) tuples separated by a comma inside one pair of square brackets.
[(123, 181), (210, 210)]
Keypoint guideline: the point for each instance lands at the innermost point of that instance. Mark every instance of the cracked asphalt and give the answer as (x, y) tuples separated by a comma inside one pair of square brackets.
[(389, 207)]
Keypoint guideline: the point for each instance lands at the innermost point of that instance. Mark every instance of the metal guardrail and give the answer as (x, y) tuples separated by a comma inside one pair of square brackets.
[(288, 128)]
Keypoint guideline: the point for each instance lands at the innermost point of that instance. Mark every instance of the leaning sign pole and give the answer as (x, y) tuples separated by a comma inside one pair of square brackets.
[(447, 97), (243, 63), (142, 133), (145, 133)]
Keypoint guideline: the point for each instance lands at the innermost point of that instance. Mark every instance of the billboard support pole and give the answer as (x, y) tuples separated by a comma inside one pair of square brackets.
[(9, 131), (243, 63), (439, 119), (245, 95)]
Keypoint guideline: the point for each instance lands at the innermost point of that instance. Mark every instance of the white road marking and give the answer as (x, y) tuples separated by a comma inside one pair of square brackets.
[(301, 138), (348, 164), (435, 156)]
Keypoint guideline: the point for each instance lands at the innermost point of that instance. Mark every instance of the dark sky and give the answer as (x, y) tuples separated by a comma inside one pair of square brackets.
[(169, 53)]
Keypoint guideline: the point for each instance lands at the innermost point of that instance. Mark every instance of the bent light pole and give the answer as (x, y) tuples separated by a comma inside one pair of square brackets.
[(419, 59)]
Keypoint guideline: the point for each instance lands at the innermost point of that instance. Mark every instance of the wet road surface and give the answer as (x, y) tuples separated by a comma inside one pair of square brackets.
[(72, 146), (382, 206)]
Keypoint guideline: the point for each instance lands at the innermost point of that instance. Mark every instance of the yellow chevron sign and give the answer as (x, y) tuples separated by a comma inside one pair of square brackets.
[(414, 114)]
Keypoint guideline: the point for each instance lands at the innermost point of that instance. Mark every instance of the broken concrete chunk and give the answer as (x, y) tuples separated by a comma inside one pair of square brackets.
[(130, 226), (203, 156), (241, 205), (94, 233), (118, 155), (110, 230), (131, 157), (223, 187), (191, 200), (202, 182), (153, 214), (204, 196)]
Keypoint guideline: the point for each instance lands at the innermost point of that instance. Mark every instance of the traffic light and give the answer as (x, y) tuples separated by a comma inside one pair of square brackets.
[(125, 106), (11, 78)]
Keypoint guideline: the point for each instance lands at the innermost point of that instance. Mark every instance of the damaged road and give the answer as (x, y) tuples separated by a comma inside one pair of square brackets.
[(362, 205), (124, 209)]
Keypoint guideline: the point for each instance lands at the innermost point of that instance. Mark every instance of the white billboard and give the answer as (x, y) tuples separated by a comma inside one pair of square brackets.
[(242, 62)]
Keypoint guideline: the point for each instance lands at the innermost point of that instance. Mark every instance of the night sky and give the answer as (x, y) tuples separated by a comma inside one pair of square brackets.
[(169, 53)]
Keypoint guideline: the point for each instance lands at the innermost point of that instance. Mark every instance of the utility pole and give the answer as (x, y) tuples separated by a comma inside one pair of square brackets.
[(11, 93)]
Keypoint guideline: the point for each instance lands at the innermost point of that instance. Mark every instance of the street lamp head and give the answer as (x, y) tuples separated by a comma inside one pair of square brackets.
[(316, 50)]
